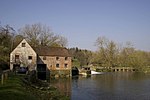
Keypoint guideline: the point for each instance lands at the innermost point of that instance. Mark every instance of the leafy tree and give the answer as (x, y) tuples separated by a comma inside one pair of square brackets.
[(110, 55), (6, 35), (80, 57), (107, 52)]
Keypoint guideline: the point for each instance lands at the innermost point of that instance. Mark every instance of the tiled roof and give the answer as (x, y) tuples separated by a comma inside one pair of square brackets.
[(51, 51)]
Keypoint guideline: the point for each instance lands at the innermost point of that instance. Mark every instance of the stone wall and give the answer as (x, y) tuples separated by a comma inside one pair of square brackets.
[(51, 62), (60, 73)]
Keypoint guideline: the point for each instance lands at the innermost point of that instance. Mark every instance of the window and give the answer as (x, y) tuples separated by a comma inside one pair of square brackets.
[(16, 56), (50, 65), (57, 65), (66, 58), (66, 65), (23, 44), (44, 58), (57, 58), (30, 57)]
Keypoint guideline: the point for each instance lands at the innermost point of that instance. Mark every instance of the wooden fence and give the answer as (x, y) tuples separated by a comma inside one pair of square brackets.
[(4, 75)]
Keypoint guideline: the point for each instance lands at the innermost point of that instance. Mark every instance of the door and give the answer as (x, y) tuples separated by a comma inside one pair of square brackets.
[(41, 71)]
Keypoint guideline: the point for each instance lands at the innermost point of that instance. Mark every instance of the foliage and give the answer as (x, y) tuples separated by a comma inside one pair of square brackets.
[(15, 89), (6, 35), (108, 51), (80, 57), (75, 63), (111, 55)]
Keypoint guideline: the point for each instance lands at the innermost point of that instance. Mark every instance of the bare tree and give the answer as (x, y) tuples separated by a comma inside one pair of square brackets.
[(110, 54), (38, 34), (31, 33), (62, 41), (16, 40), (107, 52)]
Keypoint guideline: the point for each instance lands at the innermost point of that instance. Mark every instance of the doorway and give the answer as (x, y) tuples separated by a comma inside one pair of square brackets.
[(41, 71)]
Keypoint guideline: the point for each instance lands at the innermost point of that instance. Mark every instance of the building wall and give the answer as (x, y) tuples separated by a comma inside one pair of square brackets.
[(52, 62), (57, 65), (27, 56)]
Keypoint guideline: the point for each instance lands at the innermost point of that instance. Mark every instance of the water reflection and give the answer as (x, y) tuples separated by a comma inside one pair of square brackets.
[(63, 85), (109, 86)]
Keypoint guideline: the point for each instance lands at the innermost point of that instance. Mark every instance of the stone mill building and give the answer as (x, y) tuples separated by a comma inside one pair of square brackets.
[(47, 61)]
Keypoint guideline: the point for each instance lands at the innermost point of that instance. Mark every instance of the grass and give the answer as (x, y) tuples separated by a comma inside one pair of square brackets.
[(15, 89)]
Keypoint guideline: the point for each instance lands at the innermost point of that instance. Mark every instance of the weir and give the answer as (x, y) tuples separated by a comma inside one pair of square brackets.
[(123, 69)]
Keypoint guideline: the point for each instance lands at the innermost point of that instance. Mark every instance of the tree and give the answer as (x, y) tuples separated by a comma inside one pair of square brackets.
[(62, 41), (31, 33), (16, 40), (38, 34), (107, 52), (109, 55), (80, 57), (6, 35)]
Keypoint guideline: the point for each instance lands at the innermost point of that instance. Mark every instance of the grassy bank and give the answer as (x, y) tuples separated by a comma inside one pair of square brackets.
[(15, 89)]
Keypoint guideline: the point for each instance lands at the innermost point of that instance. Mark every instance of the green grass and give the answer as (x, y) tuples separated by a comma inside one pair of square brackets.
[(15, 89)]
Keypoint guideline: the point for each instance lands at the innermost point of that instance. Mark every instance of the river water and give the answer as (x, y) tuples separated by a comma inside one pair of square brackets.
[(107, 86)]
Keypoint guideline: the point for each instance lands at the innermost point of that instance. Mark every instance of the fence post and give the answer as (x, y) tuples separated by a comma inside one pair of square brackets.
[(2, 78), (5, 76)]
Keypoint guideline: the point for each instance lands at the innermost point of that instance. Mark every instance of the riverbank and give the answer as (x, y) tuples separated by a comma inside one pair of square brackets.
[(15, 89)]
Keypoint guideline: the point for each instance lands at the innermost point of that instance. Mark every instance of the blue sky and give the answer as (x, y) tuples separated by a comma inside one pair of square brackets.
[(82, 21)]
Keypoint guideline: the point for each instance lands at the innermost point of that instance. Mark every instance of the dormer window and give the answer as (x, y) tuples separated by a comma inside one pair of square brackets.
[(23, 44)]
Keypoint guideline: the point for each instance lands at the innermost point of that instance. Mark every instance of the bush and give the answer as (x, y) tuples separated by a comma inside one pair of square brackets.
[(4, 66)]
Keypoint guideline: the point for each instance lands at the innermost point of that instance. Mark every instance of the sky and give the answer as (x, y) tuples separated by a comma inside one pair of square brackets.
[(83, 21)]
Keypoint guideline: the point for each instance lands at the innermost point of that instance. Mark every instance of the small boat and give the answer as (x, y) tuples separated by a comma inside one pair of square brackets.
[(94, 72), (85, 71)]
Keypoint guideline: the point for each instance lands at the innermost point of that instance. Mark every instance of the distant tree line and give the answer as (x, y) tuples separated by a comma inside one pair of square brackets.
[(111, 54), (80, 57)]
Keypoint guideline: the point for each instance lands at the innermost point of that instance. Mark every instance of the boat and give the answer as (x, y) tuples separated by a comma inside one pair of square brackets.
[(94, 72), (85, 71)]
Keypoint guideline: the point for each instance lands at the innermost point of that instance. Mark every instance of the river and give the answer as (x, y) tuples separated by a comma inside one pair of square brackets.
[(107, 86)]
